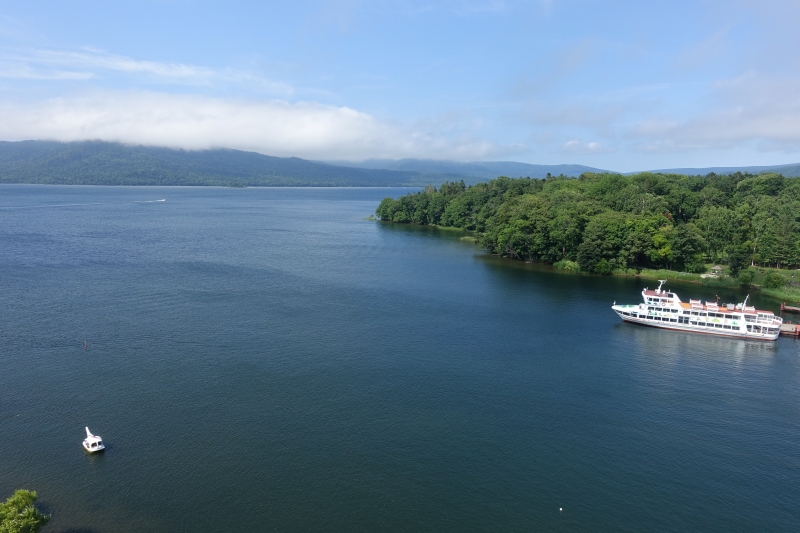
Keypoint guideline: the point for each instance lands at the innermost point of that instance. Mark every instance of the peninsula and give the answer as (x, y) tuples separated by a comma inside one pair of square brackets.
[(610, 223)]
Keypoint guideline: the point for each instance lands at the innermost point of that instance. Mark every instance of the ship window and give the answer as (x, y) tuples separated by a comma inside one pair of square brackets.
[(673, 319), (729, 317), (693, 323)]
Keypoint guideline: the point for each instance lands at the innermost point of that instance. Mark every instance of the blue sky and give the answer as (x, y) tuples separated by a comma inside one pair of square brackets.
[(617, 85)]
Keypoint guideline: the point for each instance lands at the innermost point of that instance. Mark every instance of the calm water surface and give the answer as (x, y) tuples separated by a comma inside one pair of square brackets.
[(268, 360)]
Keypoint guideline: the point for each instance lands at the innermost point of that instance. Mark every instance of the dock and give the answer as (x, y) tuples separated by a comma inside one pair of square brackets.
[(792, 330)]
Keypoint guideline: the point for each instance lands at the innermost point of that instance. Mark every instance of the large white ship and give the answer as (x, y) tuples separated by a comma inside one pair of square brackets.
[(663, 309)]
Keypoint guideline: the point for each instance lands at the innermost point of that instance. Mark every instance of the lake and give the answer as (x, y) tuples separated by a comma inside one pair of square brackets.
[(269, 360)]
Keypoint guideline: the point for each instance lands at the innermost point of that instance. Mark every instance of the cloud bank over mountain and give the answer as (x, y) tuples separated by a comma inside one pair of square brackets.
[(193, 122)]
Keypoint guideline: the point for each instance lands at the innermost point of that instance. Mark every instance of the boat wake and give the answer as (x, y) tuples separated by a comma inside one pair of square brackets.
[(79, 205)]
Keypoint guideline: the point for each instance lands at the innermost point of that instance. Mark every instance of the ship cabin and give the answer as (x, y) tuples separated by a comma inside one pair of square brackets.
[(660, 297)]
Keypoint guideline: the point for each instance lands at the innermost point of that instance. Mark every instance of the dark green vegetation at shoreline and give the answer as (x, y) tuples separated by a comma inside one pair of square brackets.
[(609, 223), (19, 515), (104, 163)]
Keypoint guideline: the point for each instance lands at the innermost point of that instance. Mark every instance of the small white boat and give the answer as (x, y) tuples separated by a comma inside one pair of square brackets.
[(93, 443)]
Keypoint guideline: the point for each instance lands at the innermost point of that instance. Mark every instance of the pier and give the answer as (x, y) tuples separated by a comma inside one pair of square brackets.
[(792, 330)]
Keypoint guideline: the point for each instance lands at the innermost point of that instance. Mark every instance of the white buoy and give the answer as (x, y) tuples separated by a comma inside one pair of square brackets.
[(560, 509)]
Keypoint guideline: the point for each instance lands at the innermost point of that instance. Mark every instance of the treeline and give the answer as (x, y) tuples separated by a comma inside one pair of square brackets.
[(606, 222)]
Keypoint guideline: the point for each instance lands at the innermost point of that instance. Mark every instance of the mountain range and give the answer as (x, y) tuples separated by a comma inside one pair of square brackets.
[(107, 163), (484, 170)]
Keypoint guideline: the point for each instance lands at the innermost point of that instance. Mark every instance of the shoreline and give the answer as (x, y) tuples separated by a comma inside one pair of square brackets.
[(787, 294)]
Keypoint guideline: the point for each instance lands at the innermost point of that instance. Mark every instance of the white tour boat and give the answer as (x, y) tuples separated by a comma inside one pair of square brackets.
[(93, 443), (663, 309)]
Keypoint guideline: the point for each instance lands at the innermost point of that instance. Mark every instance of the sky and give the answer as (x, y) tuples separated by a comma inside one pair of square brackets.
[(618, 85)]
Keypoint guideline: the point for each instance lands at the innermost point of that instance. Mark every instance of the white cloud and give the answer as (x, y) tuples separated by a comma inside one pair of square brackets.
[(752, 108), (89, 63), (274, 127), (20, 71), (576, 146)]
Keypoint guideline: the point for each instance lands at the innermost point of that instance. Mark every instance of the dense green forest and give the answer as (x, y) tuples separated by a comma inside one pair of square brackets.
[(105, 163), (606, 222)]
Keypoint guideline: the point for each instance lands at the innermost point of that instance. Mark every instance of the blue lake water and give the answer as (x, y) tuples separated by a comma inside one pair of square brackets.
[(268, 360)]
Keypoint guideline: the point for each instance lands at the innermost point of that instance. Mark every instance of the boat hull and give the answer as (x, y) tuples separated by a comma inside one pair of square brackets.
[(699, 329)]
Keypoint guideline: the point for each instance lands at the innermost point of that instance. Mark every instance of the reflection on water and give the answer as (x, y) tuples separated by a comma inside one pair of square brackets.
[(676, 346)]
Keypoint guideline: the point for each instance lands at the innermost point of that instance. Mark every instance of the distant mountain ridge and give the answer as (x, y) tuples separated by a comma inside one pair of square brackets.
[(108, 163), (492, 169), (789, 171), (485, 170)]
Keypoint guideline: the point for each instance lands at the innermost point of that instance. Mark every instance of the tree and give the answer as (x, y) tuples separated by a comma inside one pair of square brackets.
[(774, 280), (18, 515), (603, 246), (718, 225), (687, 247), (745, 278)]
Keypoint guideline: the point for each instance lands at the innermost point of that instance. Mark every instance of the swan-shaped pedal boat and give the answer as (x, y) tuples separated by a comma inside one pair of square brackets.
[(93, 443)]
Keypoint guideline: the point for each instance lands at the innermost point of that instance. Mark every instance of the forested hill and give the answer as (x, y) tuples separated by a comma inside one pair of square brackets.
[(606, 222), (104, 163)]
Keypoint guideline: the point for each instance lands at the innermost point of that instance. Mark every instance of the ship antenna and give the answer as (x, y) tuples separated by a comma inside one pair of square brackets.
[(661, 284)]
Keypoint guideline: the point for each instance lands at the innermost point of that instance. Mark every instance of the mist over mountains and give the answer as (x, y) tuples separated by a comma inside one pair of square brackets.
[(108, 163)]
